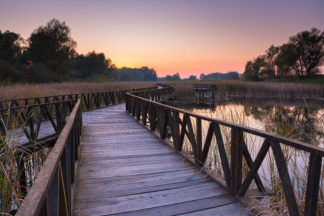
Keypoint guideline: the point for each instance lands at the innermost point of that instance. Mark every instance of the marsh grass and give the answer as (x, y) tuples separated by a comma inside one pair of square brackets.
[(282, 90), (10, 194), (296, 160), (38, 90), (11, 191)]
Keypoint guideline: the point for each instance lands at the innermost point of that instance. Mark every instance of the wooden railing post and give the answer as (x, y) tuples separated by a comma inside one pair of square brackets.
[(285, 179), (236, 160), (138, 109), (133, 106), (59, 118), (126, 103), (314, 175), (144, 112), (66, 175), (199, 142), (22, 174), (175, 132), (53, 195)]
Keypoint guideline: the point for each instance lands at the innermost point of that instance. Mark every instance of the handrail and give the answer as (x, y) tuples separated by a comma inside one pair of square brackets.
[(166, 118), (55, 111), (51, 108), (52, 188), (60, 97)]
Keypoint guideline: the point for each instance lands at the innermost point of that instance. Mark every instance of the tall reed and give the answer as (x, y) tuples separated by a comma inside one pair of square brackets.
[(296, 160), (12, 191)]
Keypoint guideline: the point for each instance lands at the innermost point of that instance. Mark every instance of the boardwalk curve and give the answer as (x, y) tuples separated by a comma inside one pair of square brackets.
[(124, 169)]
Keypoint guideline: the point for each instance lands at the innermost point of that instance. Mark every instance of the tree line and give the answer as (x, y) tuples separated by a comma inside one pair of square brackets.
[(49, 55), (300, 57), (232, 75)]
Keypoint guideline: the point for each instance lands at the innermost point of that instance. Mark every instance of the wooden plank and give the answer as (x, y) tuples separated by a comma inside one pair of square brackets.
[(125, 169), (93, 172), (131, 189), (139, 181), (124, 153), (134, 177), (122, 161), (184, 207), (147, 200), (225, 210)]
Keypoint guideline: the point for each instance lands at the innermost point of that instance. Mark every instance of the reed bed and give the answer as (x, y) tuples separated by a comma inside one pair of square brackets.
[(296, 160), (185, 89), (12, 191), (39, 90)]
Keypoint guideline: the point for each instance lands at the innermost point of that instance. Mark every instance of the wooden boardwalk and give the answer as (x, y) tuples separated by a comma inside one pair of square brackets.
[(124, 169)]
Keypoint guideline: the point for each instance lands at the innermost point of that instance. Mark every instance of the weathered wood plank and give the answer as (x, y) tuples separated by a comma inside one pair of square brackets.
[(147, 200), (229, 209), (125, 169), (132, 189), (184, 207)]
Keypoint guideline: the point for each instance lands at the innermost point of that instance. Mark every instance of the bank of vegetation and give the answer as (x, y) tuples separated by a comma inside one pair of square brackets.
[(298, 59), (49, 55)]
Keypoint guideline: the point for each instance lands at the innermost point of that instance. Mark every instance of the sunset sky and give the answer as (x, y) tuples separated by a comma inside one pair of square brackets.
[(184, 36)]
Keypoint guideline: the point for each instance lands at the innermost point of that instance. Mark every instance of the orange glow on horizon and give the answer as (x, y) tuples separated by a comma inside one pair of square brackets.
[(185, 36)]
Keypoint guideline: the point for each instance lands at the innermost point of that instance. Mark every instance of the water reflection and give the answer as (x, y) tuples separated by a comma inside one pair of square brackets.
[(300, 120)]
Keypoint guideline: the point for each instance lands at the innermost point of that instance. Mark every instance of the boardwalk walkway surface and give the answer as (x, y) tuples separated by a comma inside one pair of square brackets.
[(126, 170)]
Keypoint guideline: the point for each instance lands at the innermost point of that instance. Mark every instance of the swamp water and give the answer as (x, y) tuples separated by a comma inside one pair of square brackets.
[(299, 120)]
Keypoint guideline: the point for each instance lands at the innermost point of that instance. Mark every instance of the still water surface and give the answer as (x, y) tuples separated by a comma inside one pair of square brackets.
[(300, 120)]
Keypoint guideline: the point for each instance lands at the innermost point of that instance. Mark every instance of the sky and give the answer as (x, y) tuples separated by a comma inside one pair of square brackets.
[(188, 37)]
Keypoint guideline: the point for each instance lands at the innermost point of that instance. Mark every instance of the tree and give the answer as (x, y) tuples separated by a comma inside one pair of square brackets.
[(253, 69), (52, 46), (9, 45), (302, 56), (8, 72), (286, 60), (309, 47), (270, 69), (175, 77), (134, 74), (91, 65), (192, 77), (232, 75)]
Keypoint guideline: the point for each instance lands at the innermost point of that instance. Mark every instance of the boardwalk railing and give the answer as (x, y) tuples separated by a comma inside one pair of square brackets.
[(89, 100), (51, 192), (166, 120), (29, 113), (28, 119), (23, 120)]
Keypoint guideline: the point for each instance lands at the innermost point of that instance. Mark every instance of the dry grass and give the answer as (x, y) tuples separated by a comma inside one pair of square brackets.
[(37, 90), (185, 89), (297, 161)]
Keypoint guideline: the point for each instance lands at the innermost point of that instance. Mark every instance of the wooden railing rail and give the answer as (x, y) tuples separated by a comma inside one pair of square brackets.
[(51, 192), (30, 118), (166, 120), (31, 112), (90, 100)]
